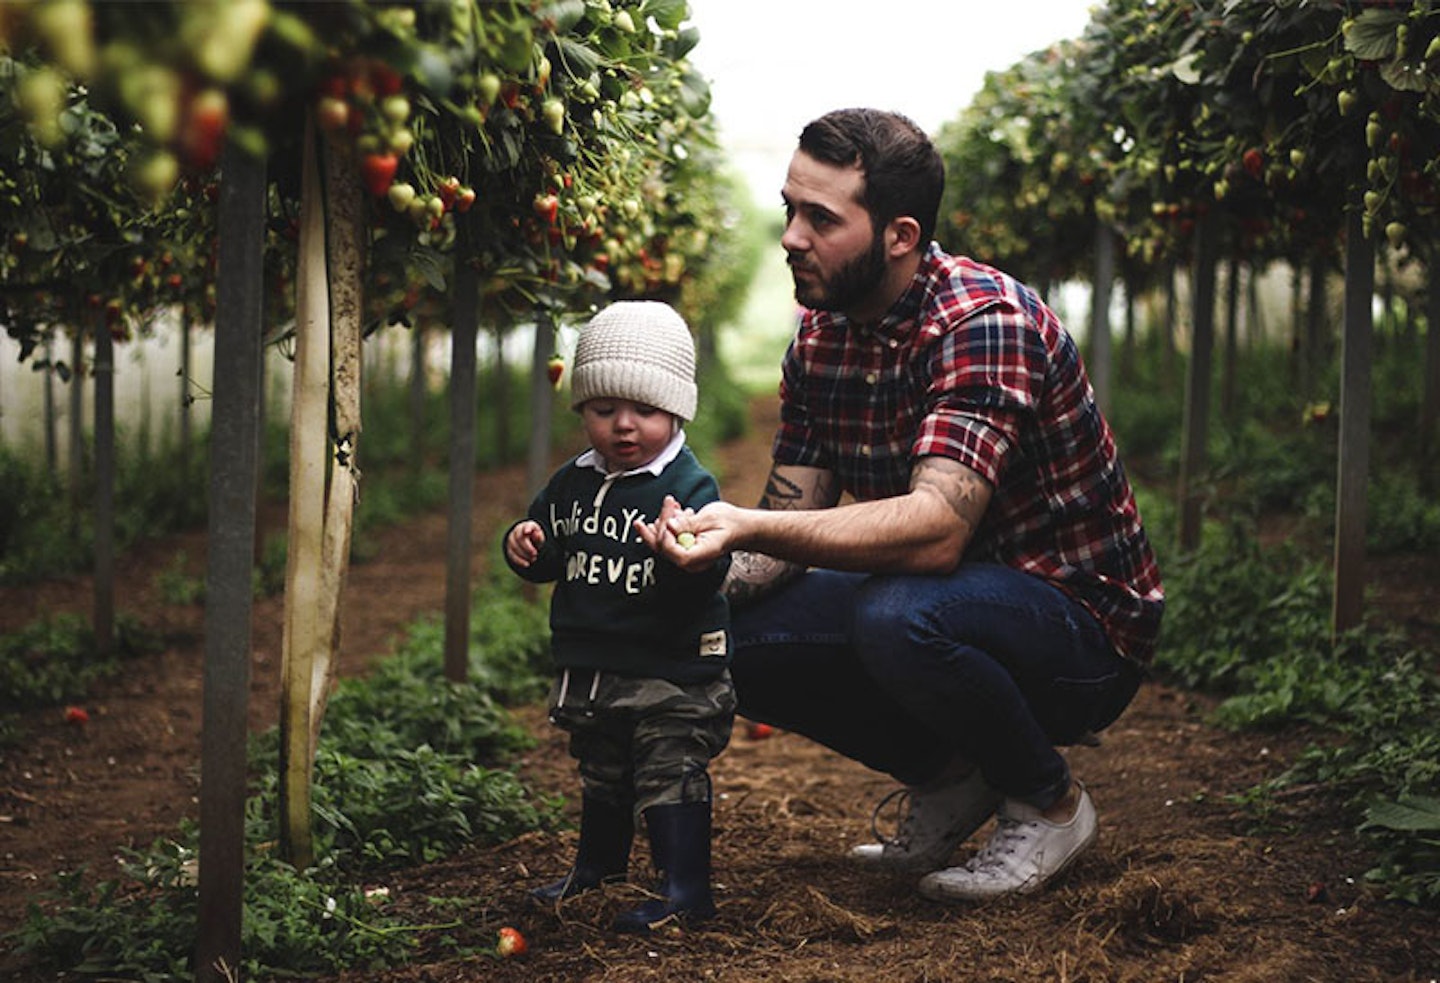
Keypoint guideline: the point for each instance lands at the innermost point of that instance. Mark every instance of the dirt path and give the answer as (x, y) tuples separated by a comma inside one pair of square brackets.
[(1180, 886)]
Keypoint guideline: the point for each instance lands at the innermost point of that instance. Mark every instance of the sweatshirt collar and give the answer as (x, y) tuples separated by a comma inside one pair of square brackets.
[(592, 459)]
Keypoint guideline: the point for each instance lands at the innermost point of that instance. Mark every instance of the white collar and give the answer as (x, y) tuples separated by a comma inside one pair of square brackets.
[(592, 459)]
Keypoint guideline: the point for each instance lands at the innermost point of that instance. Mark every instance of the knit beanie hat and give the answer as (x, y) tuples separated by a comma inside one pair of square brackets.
[(639, 350)]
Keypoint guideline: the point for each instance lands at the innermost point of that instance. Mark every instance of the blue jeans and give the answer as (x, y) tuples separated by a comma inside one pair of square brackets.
[(905, 673)]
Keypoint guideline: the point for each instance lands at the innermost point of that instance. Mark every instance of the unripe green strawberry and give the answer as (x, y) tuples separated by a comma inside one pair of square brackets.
[(401, 195), (553, 111)]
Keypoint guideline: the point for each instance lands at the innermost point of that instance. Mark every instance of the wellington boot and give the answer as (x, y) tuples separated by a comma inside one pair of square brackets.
[(680, 847), (606, 833)]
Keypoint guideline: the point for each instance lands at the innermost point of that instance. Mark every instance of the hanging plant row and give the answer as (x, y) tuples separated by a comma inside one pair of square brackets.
[(563, 149), (1270, 116)]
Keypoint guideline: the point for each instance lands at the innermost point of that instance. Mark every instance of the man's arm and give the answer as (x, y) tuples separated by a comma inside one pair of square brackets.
[(789, 488), (924, 530)]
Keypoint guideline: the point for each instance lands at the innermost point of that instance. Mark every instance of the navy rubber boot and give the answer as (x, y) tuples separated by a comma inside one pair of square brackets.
[(606, 832), (680, 847)]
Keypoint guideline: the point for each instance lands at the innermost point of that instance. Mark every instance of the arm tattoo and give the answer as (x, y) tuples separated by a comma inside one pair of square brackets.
[(814, 489), (958, 487), (781, 493), (755, 574), (786, 490)]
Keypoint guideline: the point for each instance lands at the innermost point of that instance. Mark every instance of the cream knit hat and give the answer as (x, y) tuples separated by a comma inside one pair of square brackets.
[(639, 350)]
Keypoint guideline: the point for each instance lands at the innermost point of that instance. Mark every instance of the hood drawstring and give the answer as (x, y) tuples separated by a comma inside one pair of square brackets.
[(605, 486), (565, 691)]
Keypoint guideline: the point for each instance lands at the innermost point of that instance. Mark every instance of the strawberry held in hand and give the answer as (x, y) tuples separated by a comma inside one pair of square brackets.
[(510, 943), (555, 371)]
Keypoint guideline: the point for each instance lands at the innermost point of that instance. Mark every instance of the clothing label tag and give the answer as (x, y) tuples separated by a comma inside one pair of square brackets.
[(712, 643)]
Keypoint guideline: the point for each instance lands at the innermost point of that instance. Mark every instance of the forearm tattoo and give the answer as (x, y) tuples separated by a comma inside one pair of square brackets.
[(754, 574), (781, 493)]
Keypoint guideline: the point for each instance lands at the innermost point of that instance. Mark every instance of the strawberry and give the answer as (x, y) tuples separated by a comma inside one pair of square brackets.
[(384, 79), (1254, 162), (488, 88), (334, 85), (464, 198), (555, 370), (206, 120), (400, 195), (547, 207), (378, 171), (758, 731), (448, 189), (553, 110), (332, 113), (510, 943), (77, 716), (396, 108)]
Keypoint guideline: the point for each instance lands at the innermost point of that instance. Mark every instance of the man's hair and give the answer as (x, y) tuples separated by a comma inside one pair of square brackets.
[(904, 174)]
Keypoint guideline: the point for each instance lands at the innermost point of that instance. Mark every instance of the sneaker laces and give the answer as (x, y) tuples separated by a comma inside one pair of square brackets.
[(1010, 833), (902, 822)]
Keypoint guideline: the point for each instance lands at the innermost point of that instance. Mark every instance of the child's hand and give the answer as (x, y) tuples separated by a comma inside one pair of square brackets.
[(523, 543)]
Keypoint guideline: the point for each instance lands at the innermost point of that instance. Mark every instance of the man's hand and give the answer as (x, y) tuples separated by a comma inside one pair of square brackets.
[(523, 543), (691, 540)]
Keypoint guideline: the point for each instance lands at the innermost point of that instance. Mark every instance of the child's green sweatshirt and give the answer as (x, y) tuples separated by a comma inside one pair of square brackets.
[(618, 607)]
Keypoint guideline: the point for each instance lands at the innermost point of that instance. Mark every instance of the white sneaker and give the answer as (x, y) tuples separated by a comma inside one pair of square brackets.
[(937, 819), (1023, 854)]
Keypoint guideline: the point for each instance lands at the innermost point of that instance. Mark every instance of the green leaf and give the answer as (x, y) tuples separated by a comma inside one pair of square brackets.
[(580, 60), (428, 267), (1413, 812), (1404, 76), (565, 14), (694, 94), (292, 30), (668, 13), (684, 43), (1372, 36)]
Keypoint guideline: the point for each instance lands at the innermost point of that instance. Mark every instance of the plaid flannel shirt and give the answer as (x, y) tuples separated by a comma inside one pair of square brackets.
[(969, 364)]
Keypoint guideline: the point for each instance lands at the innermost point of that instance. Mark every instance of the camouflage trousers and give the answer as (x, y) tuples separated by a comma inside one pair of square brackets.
[(643, 742)]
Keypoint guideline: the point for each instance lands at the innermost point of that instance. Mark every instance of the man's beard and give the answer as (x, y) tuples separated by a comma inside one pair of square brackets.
[(851, 285)]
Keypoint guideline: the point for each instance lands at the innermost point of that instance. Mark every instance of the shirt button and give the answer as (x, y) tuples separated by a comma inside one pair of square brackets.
[(894, 342), (870, 378), (864, 451)]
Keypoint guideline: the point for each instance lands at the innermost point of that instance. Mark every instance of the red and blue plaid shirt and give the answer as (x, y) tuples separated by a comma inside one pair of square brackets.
[(969, 364)]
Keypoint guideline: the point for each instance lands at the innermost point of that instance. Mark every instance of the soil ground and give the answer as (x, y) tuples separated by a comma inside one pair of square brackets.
[(1182, 885)]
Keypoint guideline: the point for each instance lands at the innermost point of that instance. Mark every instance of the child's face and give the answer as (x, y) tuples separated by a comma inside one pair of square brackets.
[(626, 434)]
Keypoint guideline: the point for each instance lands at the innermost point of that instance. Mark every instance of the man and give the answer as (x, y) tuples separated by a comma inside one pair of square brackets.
[(989, 594)]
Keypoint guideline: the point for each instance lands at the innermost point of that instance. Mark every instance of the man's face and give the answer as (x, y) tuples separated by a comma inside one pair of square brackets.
[(836, 255)]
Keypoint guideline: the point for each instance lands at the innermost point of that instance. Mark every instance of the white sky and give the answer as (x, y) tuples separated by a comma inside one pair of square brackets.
[(774, 65)]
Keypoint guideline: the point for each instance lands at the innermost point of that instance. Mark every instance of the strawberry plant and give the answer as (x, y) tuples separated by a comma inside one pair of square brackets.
[(415, 787)]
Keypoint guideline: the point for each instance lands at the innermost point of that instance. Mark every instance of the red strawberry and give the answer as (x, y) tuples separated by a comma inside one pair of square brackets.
[(77, 716), (547, 207), (207, 118), (377, 171), (384, 79), (464, 198), (758, 731), (1254, 162), (555, 369), (510, 943)]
